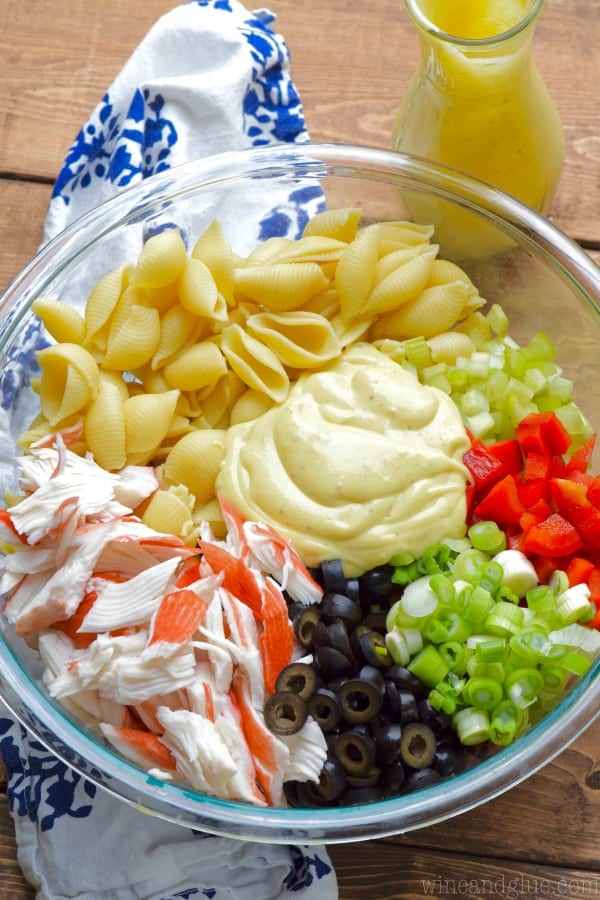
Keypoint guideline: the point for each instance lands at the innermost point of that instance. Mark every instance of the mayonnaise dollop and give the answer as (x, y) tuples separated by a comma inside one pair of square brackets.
[(359, 463)]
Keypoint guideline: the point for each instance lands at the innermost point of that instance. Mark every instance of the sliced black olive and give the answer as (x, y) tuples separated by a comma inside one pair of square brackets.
[(338, 606), (418, 745), (320, 637), (332, 663), (356, 752), (334, 684), (352, 590), (305, 624), (373, 650), (332, 781), (325, 709), (299, 678), (422, 779), (373, 676), (392, 706), (360, 795), (448, 760), (387, 742), (355, 637), (375, 620), (377, 584), (316, 574), (285, 713), (360, 700), (332, 573), (290, 789), (393, 778), (338, 638), (435, 718), (409, 711), (406, 681), (307, 795), (365, 781)]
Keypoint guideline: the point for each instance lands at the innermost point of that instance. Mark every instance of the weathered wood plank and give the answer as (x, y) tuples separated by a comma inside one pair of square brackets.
[(12, 883), (351, 63), (23, 206), (382, 872)]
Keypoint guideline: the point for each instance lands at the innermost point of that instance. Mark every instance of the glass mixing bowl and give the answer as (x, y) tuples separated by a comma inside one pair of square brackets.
[(542, 279)]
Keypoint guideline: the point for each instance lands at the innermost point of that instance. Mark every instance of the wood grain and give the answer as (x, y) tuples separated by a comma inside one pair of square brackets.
[(351, 62), (24, 207), (382, 871), (12, 883)]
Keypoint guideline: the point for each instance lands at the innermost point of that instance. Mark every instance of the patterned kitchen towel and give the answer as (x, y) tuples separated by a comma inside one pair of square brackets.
[(208, 77)]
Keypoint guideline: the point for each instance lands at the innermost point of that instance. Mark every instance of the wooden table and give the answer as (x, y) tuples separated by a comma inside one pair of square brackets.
[(351, 62)]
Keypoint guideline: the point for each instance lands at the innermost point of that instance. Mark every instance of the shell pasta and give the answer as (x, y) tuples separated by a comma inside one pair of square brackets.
[(176, 347)]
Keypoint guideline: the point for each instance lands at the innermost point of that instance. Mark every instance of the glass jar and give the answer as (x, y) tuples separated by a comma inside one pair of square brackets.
[(478, 103)]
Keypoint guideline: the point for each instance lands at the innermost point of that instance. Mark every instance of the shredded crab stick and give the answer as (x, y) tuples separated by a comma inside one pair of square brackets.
[(237, 577), (142, 747), (277, 638), (177, 618), (273, 555)]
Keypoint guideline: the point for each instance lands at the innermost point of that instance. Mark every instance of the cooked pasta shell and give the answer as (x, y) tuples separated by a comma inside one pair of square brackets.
[(70, 380), (435, 311), (154, 382), (326, 303), (211, 512), (195, 367), (162, 260), (176, 328), (407, 233), (35, 383), (216, 406), (189, 404), (62, 322), (198, 292), (101, 303), (195, 461), (443, 272), (147, 420), (116, 379), (355, 274), (399, 257), (349, 332), (312, 249), (339, 224), (133, 342), (447, 347), (401, 286), (162, 299), (250, 406), (396, 350), (281, 286), (213, 249), (169, 510), (256, 365), (178, 426), (300, 339), (267, 251), (104, 427)]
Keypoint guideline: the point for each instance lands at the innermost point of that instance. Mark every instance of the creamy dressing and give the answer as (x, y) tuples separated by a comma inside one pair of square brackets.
[(360, 462)]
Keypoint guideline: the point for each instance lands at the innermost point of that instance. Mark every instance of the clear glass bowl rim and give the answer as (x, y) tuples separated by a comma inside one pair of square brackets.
[(462, 792)]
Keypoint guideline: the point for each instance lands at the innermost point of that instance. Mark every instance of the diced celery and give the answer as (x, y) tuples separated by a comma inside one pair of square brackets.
[(458, 378), (540, 347), (516, 363), (498, 320), (535, 380), (418, 352), (474, 402), (481, 425)]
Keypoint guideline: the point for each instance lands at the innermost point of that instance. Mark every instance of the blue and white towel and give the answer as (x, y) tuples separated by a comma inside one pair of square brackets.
[(208, 77)]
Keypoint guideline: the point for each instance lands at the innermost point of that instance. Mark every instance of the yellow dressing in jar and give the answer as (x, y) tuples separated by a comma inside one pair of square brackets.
[(478, 103), (360, 462)]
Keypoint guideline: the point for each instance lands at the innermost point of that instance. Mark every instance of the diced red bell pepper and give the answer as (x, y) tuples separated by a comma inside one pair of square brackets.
[(579, 570), (545, 566), (536, 514), (558, 468), (572, 502), (501, 504), (543, 433), (595, 623), (485, 469), (537, 465), (581, 459), (580, 478), (553, 537), (515, 541), (593, 492), (509, 454), (532, 491), (594, 583)]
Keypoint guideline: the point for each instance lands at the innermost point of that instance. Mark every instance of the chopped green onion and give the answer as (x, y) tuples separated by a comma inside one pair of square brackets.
[(492, 577), (435, 631), (458, 629), (531, 644), (540, 599), (487, 536), (478, 669), (504, 620), (469, 565), (576, 663), (418, 599), (491, 650), (454, 655), (505, 593), (573, 603), (397, 648), (429, 666), (483, 693), (472, 726), (477, 605), (555, 679), (443, 588), (402, 559), (523, 686), (587, 639), (506, 722)]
